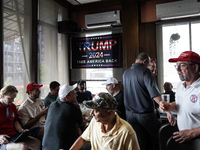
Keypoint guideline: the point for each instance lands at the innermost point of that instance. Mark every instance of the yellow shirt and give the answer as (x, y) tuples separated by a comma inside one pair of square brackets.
[(120, 137)]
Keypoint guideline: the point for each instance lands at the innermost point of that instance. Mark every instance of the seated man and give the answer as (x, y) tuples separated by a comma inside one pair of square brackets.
[(32, 112), (62, 118), (106, 129), (9, 125), (82, 93), (112, 87), (168, 90), (53, 94)]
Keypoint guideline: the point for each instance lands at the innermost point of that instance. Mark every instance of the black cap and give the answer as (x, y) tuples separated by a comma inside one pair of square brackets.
[(80, 81)]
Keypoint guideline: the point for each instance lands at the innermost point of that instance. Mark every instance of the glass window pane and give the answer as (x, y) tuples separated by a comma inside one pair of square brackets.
[(175, 41), (195, 32), (16, 44)]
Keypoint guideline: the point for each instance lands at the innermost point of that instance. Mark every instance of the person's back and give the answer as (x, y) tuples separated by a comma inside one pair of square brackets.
[(140, 89), (136, 89), (62, 118), (60, 126)]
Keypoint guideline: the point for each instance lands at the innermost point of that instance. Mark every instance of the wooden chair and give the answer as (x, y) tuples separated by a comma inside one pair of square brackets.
[(191, 145), (165, 132)]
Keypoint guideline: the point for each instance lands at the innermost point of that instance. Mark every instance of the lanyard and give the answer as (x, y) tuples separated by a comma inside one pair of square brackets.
[(7, 111)]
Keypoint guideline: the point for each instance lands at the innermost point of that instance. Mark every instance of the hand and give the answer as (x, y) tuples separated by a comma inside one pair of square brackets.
[(171, 118), (44, 111), (3, 139), (23, 130), (183, 136), (164, 106)]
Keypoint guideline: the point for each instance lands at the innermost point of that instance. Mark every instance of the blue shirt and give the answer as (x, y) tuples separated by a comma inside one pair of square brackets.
[(87, 95)]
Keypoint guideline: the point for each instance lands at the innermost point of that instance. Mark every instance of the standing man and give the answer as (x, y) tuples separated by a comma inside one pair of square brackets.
[(106, 130), (168, 90), (62, 118), (82, 93), (187, 103), (140, 89), (53, 94), (112, 87), (32, 112)]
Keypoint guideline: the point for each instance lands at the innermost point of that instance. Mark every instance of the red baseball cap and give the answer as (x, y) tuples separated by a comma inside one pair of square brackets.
[(187, 56), (32, 85)]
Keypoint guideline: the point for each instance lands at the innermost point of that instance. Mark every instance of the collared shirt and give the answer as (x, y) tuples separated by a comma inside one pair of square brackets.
[(188, 104), (30, 109), (8, 116), (49, 99), (120, 137), (139, 89)]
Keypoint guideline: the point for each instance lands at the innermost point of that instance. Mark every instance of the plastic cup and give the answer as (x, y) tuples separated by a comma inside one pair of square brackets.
[(165, 100)]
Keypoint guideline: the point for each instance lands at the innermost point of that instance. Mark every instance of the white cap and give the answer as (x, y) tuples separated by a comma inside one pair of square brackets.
[(65, 89), (111, 80)]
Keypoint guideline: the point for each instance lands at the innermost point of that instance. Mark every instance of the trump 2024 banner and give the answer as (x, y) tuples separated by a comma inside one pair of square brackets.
[(97, 52)]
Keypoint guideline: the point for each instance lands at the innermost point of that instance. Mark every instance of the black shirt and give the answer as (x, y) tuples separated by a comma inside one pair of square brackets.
[(139, 89), (120, 100)]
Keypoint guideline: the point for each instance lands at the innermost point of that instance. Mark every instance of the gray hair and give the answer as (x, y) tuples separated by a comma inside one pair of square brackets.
[(142, 56)]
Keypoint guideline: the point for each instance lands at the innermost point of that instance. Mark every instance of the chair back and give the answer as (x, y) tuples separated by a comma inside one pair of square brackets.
[(165, 132), (191, 145)]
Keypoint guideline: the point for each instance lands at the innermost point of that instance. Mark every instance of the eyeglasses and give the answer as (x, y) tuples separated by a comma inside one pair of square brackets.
[(181, 66)]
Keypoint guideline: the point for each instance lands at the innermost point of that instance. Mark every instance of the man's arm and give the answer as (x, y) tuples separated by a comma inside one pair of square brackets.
[(32, 121), (157, 99), (186, 135), (19, 128), (78, 143)]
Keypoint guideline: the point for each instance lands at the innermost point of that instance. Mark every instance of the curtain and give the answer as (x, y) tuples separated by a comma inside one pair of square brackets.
[(53, 52), (17, 44)]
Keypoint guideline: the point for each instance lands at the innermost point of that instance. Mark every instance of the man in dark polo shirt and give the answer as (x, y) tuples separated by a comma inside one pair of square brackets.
[(140, 89)]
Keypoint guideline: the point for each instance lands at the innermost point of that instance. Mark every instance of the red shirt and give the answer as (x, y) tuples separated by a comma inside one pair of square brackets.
[(8, 115)]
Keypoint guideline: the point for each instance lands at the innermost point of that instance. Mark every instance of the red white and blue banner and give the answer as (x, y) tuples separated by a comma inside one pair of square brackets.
[(97, 52)]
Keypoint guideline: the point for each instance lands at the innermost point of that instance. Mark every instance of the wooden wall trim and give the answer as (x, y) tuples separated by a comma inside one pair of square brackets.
[(34, 50), (130, 26), (1, 45)]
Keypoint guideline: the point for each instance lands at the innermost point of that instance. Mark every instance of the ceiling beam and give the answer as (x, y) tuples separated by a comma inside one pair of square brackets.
[(65, 4), (101, 4)]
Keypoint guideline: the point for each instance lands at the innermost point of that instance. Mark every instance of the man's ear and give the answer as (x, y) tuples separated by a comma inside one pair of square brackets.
[(114, 85), (196, 67), (145, 62), (66, 97), (110, 111)]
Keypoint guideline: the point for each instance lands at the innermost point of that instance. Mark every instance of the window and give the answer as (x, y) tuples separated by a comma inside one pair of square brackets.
[(17, 44), (172, 40)]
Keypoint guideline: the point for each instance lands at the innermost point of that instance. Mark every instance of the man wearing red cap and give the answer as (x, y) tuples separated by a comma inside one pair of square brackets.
[(32, 112), (187, 104)]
